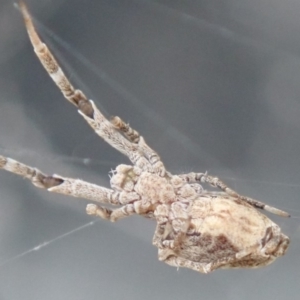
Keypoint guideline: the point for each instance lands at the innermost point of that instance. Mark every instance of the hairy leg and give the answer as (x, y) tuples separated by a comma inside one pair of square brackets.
[(68, 186), (86, 108), (136, 138)]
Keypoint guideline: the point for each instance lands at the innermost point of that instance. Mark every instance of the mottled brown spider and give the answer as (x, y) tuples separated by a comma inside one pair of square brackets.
[(196, 229)]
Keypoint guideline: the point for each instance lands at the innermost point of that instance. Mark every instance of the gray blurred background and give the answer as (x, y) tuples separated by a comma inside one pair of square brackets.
[(211, 85)]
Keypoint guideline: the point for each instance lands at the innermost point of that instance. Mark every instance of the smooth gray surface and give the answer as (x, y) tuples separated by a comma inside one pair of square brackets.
[(211, 86)]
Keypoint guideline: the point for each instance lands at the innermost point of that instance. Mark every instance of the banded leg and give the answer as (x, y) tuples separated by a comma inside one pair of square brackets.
[(86, 107), (136, 138), (216, 182), (68, 186), (129, 132)]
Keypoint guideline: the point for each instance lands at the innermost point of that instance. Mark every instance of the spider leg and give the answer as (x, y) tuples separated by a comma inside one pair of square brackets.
[(162, 231), (158, 234), (112, 215), (172, 243), (136, 138), (103, 127), (180, 224), (216, 182), (169, 233), (68, 186), (163, 225)]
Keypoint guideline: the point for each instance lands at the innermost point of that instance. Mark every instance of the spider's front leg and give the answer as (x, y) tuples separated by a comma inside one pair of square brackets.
[(130, 144)]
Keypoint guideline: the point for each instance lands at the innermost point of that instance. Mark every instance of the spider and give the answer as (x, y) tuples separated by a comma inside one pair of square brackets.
[(197, 229)]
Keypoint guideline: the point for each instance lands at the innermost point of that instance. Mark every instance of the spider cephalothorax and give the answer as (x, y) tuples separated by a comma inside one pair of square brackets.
[(196, 229)]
